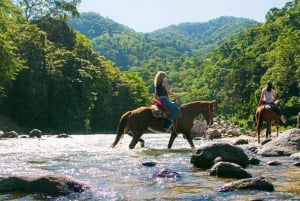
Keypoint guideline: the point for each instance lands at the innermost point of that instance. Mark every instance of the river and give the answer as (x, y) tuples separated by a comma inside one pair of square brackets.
[(118, 174)]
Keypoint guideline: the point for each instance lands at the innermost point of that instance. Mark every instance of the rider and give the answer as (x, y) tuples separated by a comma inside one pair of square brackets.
[(268, 96), (162, 93)]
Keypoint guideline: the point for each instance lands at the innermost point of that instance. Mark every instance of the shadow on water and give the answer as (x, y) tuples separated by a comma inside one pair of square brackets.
[(159, 152)]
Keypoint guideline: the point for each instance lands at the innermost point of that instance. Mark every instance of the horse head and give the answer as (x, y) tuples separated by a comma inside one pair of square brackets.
[(208, 113)]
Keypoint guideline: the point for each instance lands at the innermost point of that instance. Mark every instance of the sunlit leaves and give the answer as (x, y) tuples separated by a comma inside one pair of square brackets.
[(37, 9)]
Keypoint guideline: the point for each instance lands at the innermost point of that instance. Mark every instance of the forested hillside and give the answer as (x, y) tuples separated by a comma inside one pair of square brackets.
[(51, 78), (128, 48), (235, 73)]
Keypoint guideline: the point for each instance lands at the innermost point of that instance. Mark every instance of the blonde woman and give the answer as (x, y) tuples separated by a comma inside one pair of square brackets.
[(162, 93)]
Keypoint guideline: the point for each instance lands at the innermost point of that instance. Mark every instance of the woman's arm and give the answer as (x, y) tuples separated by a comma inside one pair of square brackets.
[(261, 97), (273, 95)]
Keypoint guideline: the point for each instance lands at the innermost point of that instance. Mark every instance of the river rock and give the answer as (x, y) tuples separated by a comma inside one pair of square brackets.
[(149, 163), (212, 133), (254, 161), (295, 156), (240, 142), (166, 173), (63, 135), (229, 170), (286, 144), (35, 133), (273, 163), (204, 156), (198, 129), (10, 134), (266, 141), (233, 132), (257, 183), (296, 164), (53, 184)]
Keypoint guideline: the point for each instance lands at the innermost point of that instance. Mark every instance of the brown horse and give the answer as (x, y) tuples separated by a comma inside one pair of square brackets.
[(265, 113), (137, 122)]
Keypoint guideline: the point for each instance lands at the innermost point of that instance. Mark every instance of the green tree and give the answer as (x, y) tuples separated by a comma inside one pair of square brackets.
[(10, 63), (36, 9)]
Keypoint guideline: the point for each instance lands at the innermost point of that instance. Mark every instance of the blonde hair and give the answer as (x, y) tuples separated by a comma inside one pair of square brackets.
[(160, 75)]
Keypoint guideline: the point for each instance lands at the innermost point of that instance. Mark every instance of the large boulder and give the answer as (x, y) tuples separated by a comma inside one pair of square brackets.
[(228, 170), (53, 184), (257, 183), (286, 144), (207, 155)]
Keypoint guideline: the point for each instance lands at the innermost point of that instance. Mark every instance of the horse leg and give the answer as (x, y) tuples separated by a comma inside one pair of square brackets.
[(136, 136), (140, 140), (277, 127), (190, 140), (133, 142), (258, 130), (268, 132), (172, 138)]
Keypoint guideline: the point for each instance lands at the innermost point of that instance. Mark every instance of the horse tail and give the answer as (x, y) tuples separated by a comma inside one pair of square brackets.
[(121, 128), (257, 115)]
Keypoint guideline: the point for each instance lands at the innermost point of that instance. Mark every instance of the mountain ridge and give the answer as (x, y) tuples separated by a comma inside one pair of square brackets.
[(127, 48)]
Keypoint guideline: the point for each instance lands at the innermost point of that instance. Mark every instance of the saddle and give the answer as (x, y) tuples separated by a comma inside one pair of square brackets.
[(159, 110), (267, 106)]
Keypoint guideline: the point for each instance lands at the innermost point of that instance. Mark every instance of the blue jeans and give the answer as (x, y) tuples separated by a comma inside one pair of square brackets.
[(276, 108), (172, 106)]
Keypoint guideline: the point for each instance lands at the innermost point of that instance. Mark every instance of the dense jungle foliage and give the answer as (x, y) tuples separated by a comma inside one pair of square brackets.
[(128, 48), (51, 78), (56, 79)]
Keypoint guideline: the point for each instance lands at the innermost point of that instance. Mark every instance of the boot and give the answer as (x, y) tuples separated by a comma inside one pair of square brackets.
[(168, 125), (283, 119)]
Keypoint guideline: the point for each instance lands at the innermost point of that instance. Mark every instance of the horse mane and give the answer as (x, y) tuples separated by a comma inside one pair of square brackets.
[(191, 103)]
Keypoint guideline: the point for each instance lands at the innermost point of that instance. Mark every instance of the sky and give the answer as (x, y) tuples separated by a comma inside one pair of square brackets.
[(150, 15)]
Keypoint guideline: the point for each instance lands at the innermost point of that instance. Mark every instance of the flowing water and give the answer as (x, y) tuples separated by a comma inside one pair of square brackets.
[(118, 173)]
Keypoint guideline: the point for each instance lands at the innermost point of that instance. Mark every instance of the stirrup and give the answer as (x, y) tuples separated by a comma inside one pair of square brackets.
[(170, 128)]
